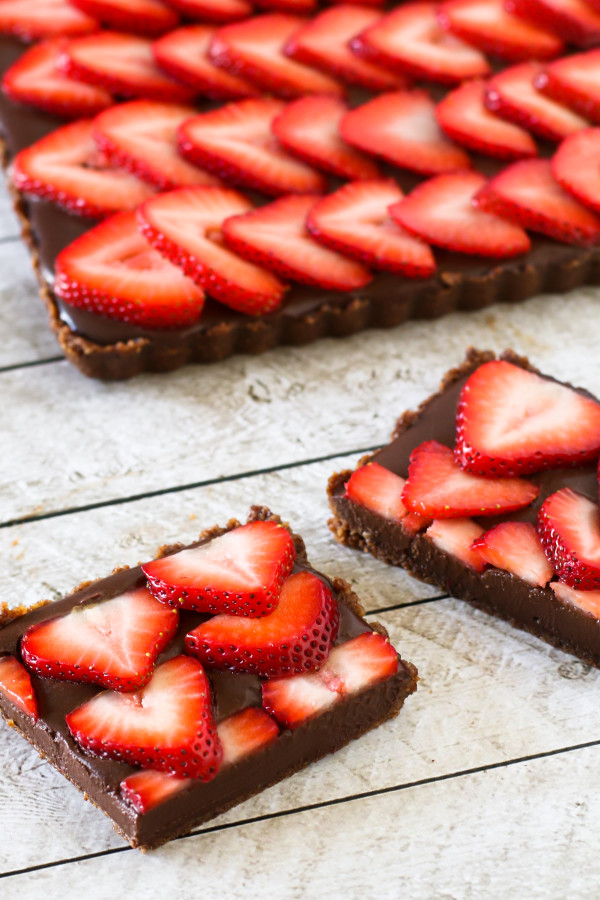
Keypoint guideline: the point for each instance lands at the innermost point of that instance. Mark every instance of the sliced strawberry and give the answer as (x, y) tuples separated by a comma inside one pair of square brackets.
[(573, 20), (378, 489), (569, 528), (516, 548), (355, 221), (240, 572), (309, 128), (185, 226), (34, 80), (411, 39), (241, 734), (151, 17), (67, 168), (456, 537), (254, 49), (112, 270), (33, 21), (528, 193), (141, 136), (213, 10), (514, 422), (441, 211), (296, 637), (413, 523), (575, 81), (114, 643), (299, 7), (588, 601), (123, 64), (465, 118), (167, 725), (351, 667), (183, 54), (276, 236), (402, 129), (323, 42), (16, 686), (236, 143), (245, 733), (438, 489), (512, 95), (487, 25), (576, 166)]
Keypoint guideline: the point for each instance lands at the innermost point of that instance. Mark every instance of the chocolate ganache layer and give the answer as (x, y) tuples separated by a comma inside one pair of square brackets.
[(109, 349), (100, 779), (534, 609)]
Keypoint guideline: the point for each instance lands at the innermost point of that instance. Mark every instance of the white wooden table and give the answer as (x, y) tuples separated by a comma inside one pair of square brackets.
[(487, 785)]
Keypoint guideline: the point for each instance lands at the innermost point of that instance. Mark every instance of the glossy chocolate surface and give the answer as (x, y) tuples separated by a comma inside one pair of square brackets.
[(101, 778), (534, 609)]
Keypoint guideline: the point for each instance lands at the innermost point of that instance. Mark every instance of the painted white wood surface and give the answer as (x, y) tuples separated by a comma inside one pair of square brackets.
[(399, 811)]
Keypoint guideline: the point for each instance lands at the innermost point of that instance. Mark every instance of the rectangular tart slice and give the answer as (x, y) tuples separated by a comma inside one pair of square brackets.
[(489, 491), (172, 692)]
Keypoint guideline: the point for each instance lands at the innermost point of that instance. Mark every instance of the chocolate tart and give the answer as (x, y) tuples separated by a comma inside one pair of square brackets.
[(100, 779), (108, 349), (533, 609)]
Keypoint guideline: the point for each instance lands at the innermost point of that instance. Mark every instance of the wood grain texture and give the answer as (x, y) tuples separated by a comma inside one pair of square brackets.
[(115, 440)]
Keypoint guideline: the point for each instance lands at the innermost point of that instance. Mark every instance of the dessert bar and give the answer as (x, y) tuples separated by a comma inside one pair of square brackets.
[(344, 112), (490, 491), (169, 693)]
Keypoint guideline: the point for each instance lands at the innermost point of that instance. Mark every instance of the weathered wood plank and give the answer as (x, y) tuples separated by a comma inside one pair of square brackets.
[(521, 831), (114, 440)]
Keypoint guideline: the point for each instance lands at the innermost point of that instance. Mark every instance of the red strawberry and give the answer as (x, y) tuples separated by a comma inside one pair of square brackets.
[(254, 49), (245, 733), (236, 143), (411, 39), (576, 166), (32, 21), (455, 537), (141, 136), (512, 95), (123, 64), (438, 489), (240, 572), (16, 686), (213, 10), (67, 168), (351, 667), (515, 547), (276, 236), (355, 221), (151, 17), (465, 118), (114, 643), (487, 25), (35, 81), (183, 54), (402, 129), (167, 725), (378, 489), (574, 81), (573, 20), (569, 528), (412, 523), (296, 637), (588, 601), (112, 270), (528, 193), (323, 42), (300, 7), (514, 422), (186, 227), (441, 211), (241, 734), (309, 128)]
